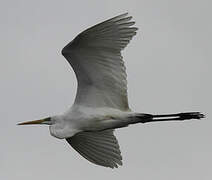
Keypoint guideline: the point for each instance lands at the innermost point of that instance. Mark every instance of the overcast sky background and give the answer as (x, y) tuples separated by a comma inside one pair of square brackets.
[(169, 70)]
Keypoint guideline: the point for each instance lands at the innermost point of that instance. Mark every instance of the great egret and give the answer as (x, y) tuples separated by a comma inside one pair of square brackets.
[(101, 103)]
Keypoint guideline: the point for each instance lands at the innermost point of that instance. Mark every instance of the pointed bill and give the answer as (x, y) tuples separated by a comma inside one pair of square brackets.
[(40, 121)]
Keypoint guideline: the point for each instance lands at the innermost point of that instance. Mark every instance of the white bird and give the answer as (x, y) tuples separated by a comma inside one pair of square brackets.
[(101, 103)]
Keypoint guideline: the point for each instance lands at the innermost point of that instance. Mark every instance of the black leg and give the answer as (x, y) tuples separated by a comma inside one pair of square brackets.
[(170, 117)]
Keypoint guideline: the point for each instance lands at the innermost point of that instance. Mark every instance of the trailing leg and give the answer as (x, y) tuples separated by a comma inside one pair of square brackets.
[(114, 123), (144, 118)]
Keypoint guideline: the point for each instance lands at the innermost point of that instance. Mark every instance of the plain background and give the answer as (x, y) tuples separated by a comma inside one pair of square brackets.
[(169, 70)]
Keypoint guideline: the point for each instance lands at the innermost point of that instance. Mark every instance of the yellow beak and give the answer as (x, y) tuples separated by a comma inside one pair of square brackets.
[(41, 121)]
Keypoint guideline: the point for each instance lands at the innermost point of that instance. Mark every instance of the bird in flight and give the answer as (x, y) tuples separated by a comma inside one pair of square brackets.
[(101, 103)]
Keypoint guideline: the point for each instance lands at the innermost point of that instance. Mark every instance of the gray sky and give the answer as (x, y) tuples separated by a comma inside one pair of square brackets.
[(169, 70)]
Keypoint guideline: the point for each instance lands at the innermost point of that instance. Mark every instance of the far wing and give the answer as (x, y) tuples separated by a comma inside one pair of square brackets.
[(95, 56), (100, 147)]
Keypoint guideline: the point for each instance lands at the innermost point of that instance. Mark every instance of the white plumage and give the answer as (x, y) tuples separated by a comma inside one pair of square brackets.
[(101, 103), (95, 56)]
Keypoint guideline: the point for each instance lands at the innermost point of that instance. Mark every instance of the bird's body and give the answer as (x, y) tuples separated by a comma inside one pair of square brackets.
[(81, 118), (101, 103)]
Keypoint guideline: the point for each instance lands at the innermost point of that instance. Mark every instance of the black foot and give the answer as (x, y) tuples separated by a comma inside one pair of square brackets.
[(191, 115)]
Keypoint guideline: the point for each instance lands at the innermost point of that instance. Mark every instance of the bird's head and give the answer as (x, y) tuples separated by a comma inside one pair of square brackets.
[(56, 126), (47, 121)]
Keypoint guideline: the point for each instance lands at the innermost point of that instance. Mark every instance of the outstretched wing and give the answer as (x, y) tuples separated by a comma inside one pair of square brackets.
[(100, 147), (95, 56)]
